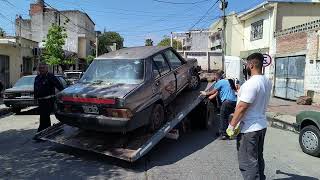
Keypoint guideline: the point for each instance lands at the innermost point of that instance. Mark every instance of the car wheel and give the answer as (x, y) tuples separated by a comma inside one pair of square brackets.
[(157, 117), (194, 83), (309, 139), (16, 110)]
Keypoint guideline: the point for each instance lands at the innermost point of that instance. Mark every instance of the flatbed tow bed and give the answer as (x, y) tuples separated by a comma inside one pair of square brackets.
[(131, 146)]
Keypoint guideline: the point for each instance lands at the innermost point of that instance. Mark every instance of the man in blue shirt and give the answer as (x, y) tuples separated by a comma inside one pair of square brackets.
[(226, 91)]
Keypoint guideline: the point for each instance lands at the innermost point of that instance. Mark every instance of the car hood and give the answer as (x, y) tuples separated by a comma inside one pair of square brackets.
[(99, 91), (19, 89)]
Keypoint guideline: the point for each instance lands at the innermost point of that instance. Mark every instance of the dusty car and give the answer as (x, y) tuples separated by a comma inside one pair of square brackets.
[(309, 137), (21, 94), (72, 77), (127, 89)]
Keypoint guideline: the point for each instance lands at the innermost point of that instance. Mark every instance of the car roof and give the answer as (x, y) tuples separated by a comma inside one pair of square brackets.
[(141, 52)]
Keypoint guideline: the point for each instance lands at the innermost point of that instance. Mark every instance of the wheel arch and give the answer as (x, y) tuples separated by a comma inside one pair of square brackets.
[(307, 122)]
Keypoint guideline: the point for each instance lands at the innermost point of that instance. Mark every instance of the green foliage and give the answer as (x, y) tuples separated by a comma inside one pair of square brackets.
[(107, 39), (2, 32), (53, 52), (167, 42), (148, 42), (89, 59)]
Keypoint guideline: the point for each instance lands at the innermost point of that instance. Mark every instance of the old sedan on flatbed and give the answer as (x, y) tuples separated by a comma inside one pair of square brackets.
[(127, 89)]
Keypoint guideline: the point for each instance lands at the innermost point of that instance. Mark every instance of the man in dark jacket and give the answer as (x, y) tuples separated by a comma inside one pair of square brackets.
[(44, 91)]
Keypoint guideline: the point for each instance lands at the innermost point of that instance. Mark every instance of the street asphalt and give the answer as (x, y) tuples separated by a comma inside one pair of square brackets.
[(195, 155)]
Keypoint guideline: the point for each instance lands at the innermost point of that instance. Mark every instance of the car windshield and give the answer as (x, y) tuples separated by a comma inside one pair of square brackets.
[(74, 75), (26, 82), (114, 71)]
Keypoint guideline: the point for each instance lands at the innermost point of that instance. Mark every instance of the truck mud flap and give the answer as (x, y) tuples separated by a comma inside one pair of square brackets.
[(128, 147)]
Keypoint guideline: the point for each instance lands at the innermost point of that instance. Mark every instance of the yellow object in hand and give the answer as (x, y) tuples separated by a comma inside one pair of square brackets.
[(233, 131)]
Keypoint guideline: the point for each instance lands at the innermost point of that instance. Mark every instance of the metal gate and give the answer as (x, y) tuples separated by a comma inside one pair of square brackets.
[(4, 70), (289, 83)]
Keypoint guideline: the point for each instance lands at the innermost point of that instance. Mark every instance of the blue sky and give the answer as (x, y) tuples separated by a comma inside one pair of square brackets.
[(135, 20)]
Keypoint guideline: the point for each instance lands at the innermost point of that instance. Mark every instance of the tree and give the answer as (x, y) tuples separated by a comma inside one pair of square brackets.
[(148, 42), (2, 32), (53, 52), (167, 42), (107, 39)]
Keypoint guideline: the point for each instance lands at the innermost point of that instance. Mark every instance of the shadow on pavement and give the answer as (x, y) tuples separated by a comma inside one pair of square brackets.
[(294, 176), (22, 158)]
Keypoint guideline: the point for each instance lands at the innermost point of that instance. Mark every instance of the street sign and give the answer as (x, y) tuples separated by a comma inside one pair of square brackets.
[(267, 60)]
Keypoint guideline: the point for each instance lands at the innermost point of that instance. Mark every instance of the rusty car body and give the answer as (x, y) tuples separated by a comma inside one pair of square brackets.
[(127, 89)]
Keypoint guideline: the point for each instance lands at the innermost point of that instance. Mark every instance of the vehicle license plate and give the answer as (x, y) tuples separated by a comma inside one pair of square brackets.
[(91, 109)]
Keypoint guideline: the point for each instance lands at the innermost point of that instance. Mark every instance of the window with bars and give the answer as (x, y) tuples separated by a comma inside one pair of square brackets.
[(257, 30)]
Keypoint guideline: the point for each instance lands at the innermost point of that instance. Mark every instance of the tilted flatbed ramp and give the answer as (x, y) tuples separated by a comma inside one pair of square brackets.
[(128, 147)]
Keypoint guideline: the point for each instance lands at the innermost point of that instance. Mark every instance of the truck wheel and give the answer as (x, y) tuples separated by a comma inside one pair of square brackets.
[(156, 118), (194, 83), (16, 110), (309, 140)]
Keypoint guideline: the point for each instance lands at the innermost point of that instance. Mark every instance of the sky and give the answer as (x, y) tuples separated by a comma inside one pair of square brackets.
[(135, 20)]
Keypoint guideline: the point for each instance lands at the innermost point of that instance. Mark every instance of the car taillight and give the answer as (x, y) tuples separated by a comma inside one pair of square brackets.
[(119, 113)]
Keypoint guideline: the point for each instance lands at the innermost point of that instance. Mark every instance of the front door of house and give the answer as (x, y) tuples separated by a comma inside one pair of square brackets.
[(4, 70), (289, 82)]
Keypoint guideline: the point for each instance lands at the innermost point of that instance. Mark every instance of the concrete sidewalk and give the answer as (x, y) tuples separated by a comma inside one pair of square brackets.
[(282, 113)]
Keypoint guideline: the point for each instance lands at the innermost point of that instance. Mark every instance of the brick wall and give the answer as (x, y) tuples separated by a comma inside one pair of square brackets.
[(35, 8), (291, 43)]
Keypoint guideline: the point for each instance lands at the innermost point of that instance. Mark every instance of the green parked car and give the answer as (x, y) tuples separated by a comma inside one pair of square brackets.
[(309, 137)]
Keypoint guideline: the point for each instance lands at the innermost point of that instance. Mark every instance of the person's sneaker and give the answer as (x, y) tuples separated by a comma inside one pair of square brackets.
[(223, 137)]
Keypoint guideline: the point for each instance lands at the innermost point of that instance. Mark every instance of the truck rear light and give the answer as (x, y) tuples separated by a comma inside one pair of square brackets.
[(119, 113)]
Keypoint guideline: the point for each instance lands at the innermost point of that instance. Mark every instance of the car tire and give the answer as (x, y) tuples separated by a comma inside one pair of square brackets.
[(16, 110), (194, 82), (157, 117), (309, 140)]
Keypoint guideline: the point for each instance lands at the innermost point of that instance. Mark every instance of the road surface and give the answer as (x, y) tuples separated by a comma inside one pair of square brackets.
[(195, 155)]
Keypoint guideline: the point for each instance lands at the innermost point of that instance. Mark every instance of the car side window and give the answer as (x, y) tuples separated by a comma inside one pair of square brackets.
[(173, 59), (160, 64), (63, 81)]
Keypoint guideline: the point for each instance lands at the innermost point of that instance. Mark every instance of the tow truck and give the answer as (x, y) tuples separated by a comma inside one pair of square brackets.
[(132, 146)]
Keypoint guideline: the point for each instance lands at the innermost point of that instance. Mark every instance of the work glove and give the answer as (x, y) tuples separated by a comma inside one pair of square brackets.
[(203, 93), (233, 131)]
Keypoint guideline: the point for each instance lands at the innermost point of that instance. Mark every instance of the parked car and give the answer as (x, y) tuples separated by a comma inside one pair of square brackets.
[(127, 89), (309, 137), (72, 77), (21, 94)]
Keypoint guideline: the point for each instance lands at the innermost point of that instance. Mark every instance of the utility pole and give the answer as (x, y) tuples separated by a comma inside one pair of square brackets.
[(97, 42), (223, 6)]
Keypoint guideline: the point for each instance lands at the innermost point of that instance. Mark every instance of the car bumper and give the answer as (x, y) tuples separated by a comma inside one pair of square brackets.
[(20, 102), (95, 122)]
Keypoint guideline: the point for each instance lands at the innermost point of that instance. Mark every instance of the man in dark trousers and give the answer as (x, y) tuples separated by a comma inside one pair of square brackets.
[(226, 92), (250, 113), (44, 91)]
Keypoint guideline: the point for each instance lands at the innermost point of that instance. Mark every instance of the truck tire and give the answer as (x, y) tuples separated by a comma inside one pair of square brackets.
[(195, 81), (309, 140), (157, 117)]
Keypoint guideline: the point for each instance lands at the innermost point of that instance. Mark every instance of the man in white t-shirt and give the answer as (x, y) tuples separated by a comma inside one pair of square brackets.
[(253, 99)]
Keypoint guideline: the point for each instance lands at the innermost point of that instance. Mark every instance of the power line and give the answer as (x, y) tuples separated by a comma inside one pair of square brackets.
[(68, 19), (207, 12), (181, 3)]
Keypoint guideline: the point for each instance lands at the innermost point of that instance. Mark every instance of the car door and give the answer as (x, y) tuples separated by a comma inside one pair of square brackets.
[(164, 78), (179, 67)]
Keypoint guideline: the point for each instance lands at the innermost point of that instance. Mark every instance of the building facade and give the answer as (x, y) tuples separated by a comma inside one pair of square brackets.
[(297, 67), (79, 28), (17, 58)]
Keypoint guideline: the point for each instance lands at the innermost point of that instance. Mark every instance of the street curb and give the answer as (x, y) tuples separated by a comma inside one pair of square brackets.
[(279, 121)]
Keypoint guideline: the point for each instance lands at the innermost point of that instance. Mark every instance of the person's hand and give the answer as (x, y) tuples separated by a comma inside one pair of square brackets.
[(203, 93), (233, 131)]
